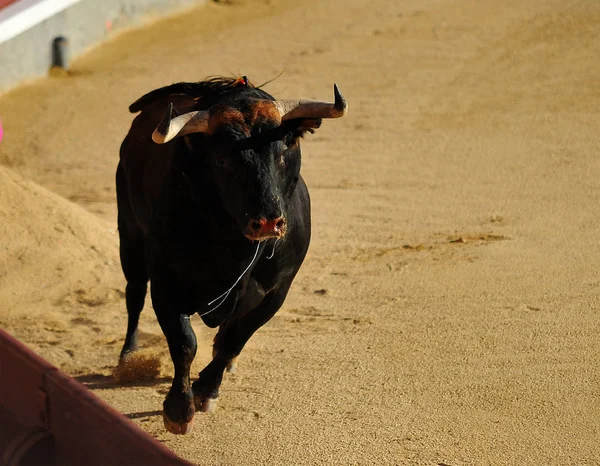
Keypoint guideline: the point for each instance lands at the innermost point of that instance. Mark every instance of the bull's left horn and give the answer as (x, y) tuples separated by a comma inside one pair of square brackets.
[(290, 109), (170, 128)]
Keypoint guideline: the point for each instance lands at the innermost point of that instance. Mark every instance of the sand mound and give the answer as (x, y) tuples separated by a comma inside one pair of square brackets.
[(52, 249), (61, 284)]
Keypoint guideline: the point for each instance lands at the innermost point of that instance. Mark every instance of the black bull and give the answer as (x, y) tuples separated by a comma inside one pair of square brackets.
[(214, 212)]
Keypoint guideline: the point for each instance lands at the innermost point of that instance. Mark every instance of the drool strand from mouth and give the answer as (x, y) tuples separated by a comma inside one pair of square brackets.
[(225, 294), (273, 252)]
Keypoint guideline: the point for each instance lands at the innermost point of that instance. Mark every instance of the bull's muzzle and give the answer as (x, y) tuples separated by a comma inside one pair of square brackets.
[(263, 228)]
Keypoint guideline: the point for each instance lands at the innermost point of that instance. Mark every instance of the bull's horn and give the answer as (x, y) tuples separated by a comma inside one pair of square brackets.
[(170, 128), (290, 109)]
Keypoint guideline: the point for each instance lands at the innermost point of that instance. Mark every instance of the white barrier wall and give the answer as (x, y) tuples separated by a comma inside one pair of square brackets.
[(27, 28)]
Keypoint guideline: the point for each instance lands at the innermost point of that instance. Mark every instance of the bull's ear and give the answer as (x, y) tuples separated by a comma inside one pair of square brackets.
[(307, 125)]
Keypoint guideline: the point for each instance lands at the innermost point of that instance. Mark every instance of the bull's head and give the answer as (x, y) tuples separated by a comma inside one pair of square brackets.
[(252, 148)]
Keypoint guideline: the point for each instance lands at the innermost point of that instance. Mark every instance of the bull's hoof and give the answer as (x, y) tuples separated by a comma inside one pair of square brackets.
[(178, 428), (209, 405), (124, 355), (204, 404)]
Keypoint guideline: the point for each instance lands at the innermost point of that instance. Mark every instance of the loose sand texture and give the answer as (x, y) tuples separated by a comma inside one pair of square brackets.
[(447, 312)]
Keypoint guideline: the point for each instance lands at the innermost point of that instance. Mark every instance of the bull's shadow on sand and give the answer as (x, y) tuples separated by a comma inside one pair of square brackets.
[(143, 414), (105, 382)]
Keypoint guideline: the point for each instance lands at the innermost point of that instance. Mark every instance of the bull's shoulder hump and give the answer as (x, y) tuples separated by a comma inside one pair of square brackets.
[(182, 88)]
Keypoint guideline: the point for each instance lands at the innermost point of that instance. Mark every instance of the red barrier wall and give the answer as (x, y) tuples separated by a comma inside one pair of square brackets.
[(36, 396)]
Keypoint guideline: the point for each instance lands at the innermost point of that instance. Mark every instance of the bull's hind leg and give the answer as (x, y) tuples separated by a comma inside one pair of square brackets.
[(229, 342), (133, 263), (134, 268)]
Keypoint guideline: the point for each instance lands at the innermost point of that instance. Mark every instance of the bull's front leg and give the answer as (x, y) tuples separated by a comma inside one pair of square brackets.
[(229, 342), (178, 407)]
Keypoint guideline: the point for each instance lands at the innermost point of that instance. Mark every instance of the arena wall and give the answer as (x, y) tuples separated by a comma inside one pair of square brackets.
[(28, 27)]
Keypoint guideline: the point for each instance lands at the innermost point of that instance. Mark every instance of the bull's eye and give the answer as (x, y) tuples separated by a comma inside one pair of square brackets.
[(280, 153)]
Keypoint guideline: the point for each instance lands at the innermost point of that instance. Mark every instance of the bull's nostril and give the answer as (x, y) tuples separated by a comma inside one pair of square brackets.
[(266, 227)]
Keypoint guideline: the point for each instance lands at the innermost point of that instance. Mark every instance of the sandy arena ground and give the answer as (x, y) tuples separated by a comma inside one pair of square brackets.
[(447, 313)]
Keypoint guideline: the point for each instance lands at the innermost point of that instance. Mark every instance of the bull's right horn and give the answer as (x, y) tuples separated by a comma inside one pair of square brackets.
[(290, 109), (170, 128)]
